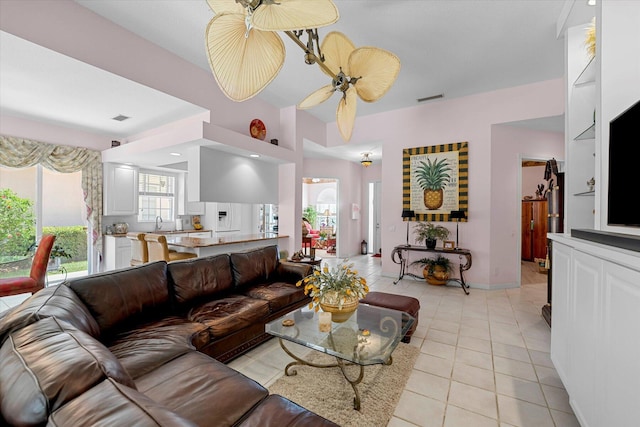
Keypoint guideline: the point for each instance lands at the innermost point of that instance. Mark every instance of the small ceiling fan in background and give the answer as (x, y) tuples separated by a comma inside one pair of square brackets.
[(246, 53)]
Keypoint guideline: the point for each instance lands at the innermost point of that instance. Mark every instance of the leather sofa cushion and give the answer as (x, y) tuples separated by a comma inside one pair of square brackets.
[(254, 266), (58, 301), (200, 277), (113, 404), (202, 389), (227, 315), (148, 346), (47, 364), (129, 295), (276, 411), (278, 295)]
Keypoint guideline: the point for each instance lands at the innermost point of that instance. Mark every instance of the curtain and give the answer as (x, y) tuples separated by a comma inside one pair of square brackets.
[(22, 153)]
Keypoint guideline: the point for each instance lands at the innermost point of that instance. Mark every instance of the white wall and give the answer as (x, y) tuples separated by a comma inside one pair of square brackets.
[(223, 177), (532, 176), (618, 45)]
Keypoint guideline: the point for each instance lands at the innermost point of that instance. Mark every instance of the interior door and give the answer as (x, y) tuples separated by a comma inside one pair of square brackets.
[(527, 226), (539, 212)]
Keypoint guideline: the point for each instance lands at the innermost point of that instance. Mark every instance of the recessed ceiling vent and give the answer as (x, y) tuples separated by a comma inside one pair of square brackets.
[(120, 118), (429, 98)]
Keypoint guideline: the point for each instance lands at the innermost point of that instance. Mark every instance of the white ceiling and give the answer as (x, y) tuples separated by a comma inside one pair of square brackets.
[(450, 47)]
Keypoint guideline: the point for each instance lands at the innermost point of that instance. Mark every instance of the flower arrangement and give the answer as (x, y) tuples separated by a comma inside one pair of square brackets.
[(337, 285), (590, 38)]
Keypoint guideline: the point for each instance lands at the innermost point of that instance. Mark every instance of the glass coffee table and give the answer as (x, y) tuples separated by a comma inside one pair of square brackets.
[(368, 337)]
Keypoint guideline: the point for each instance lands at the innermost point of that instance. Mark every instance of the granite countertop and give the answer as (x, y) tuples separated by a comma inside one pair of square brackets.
[(196, 242)]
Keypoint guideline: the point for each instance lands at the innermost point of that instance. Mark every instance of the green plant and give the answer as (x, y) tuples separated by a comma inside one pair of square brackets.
[(433, 175), (59, 252), (311, 214), (428, 231), (431, 263), (339, 282), (72, 238), (17, 224)]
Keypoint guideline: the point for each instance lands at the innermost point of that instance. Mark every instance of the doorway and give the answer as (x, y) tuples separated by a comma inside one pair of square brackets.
[(374, 212), (533, 224), (320, 210)]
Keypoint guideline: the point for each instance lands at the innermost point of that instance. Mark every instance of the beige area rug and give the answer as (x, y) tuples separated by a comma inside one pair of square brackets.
[(326, 392)]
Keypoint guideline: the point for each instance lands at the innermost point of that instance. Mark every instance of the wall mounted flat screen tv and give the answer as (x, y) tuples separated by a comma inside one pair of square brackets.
[(624, 168)]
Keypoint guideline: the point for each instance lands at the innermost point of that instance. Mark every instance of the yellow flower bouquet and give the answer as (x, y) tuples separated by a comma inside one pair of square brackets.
[(339, 286)]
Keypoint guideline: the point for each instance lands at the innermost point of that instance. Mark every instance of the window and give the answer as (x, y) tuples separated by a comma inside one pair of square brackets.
[(37, 200), (156, 196)]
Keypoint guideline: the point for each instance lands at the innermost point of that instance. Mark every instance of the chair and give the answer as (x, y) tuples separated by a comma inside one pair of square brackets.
[(139, 251), (159, 250), (35, 281)]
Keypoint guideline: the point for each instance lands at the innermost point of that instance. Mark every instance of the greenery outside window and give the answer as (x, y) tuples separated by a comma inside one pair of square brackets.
[(156, 196)]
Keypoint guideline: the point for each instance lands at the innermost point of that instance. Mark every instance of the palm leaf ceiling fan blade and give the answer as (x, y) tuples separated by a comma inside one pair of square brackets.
[(225, 6), (317, 97), (378, 70), (242, 63), (289, 15), (336, 48), (346, 113)]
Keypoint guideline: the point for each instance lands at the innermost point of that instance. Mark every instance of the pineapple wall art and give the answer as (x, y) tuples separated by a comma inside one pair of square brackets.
[(435, 180)]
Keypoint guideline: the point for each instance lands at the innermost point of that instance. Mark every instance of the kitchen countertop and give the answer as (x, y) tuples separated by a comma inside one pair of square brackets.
[(196, 242), (167, 233)]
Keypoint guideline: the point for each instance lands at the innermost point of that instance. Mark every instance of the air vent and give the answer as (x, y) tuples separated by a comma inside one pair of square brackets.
[(429, 98), (120, 118)]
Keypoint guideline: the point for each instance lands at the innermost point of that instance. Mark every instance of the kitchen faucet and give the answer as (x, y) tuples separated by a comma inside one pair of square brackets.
[(158, 226)]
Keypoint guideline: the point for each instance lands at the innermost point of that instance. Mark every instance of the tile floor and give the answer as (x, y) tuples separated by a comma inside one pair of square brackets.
[(484, 357)]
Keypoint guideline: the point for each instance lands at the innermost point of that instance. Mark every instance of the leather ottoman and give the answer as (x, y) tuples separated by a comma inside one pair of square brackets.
[(409, 305)]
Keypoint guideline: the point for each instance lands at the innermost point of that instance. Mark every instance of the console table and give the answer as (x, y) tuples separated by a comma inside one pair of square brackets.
[(399, 255)]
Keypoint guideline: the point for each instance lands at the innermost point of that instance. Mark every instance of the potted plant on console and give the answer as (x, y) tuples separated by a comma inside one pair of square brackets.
[(435, 270), (429, 233)]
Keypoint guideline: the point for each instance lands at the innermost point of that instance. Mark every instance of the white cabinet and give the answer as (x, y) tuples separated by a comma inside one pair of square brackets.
[(620, 346), (117, 252), (120, 192), (195, 208), (185, 207), (595, 344)]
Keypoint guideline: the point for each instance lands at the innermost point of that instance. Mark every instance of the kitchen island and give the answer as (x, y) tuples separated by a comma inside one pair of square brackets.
[(222, 245)]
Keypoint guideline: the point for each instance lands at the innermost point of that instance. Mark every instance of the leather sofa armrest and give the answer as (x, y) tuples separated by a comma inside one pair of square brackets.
[(291, 273)]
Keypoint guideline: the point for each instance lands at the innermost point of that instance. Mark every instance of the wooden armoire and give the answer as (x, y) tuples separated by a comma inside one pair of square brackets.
[(534, 229)]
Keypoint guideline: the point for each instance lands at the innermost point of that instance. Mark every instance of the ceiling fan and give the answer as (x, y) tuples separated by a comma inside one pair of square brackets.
[(245, 53)]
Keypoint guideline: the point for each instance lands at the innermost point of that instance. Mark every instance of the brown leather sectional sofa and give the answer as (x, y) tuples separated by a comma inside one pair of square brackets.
[(134, 346)]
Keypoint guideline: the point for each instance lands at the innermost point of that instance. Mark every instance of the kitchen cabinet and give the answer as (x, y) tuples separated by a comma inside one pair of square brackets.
[(120, 189), (534, 229), (594, 344), (117, 252), (185, 207)]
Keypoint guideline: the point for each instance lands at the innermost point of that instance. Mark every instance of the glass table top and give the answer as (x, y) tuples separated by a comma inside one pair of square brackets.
[(367, 338)]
